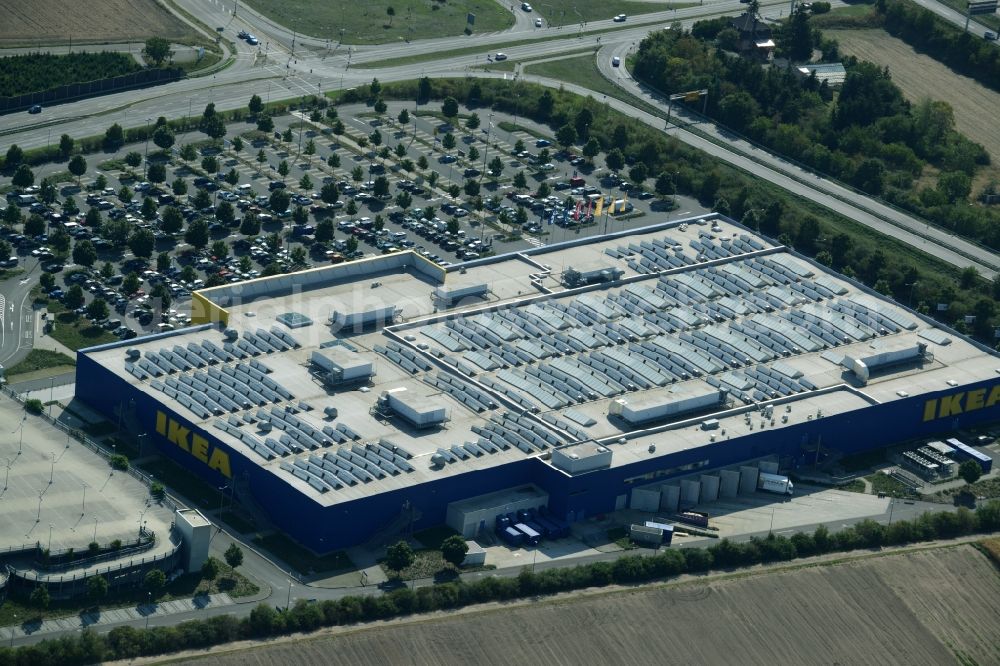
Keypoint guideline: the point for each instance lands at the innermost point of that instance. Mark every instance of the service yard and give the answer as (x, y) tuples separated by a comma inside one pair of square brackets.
[(920, 77), (917, 607), (48, 21)]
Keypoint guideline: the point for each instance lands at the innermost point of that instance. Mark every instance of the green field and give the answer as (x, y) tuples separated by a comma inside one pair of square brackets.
[(76, 332), (369, 23), (41, 359), (581, 70), (574, 12)]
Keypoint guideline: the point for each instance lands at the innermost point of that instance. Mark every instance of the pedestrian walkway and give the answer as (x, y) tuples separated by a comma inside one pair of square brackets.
[(117, 615)]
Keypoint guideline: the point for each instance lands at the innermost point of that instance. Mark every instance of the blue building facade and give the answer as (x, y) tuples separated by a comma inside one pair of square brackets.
[(326, 528)]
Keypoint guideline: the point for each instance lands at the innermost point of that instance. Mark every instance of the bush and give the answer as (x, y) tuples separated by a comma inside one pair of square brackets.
[(210, 569), (119, 462), (970, 471), (34, 406), (157, 490)]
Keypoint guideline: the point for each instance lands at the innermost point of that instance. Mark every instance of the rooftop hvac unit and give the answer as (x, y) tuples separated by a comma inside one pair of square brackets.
[(231, 334), (132, 354), (331, 412)]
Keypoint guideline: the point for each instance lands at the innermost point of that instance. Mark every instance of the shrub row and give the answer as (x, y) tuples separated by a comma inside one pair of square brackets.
[(265, 621)]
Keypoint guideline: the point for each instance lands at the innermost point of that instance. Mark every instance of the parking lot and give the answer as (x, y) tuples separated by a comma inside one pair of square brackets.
[(318, 187)]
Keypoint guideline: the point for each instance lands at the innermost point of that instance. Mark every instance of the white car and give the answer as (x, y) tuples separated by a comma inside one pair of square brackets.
[(500, 56), (620, 18), (616, 61), (525, 6), (538, 23)]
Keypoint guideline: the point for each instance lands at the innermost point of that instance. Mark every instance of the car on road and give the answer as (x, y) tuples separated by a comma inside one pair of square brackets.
[(35, 108), (616, 61), (543, 143), (621, 18), (990, 36), (500, 56), (525, 6), (538, 23)]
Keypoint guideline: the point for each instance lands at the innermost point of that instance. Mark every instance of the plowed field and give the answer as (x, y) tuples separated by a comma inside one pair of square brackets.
[(30, 22), (933, 607)]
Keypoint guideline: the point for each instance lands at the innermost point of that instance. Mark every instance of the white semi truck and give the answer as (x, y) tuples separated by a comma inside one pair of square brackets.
[(775, 483)]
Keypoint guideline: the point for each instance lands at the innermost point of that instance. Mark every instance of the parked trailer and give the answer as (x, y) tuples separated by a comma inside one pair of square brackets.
[(668, 530), (775, 483), (513, 537), (531, 536), (966, 452), (696, 518)]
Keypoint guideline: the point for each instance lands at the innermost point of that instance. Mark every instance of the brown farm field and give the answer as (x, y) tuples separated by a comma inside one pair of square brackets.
[(42, 22), (921, 77), (939, 606)]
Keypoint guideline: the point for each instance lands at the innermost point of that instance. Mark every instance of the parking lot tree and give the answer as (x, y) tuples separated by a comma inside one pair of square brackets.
[(448, 141), (225, 213), (273, 268), (188, 274), (324, 231), (202, 199), (357, 175), (48, 191), (70, 207), (471, 187), (250, 225), (362, 141), (100, 182), (23, 177), (544, 155), (422, 162), (74, 297), (265, 123), (453, 226), (163, 262), (495, 167), (47, 281), (279, 201), (237, 144), (114, 137), (544, 189), (220, 249), (273, 242), (338, 127), (14, 156), (34, 225), (521, 215), (256, 104), (97, 310), (210, 164), (329, 193), (404, 200), (331, 113), (351, 208), (352, 244), (287, 135), (107, 270), (60, 241), (157, 173), (149, 208), (131, 283), (305, 182), (66, 144), (261, 159), (478, 204), (125, 194), (566, 136), (6, 249), (473, 153), (429, 212), (376, 138), (161, 296), (300, 215), (298, 255), (315, 116), (582, 122), (156, 50), (283, 169), (615, 160), (665, 185), (380, 106), (519, 146), (189, 153), (12, 215), (333, 161), (116, 231), (246, 265), (638, 174), (520, 180), (970, 471), (133, 159), (406, 164), (211, 122), (379, 224), (77, 166), (232, 177), (404, 117), (380, 188), (164, 137), (400, 150), (141, 243), (310, 148), (432, 178), (197, 234), (472, 122), (449, 108)]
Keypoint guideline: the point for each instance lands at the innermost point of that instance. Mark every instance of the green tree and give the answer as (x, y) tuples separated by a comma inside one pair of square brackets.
[(404, 200), (279, 201), (638, 173), (197, 234), (60, 241), (97, 588), (179, 186), (449, 108), (114, 137), (300, 215), (237, 144), (225, 213), (202, 199), (471, 187), (149, 207), (74, 297), (796, 37), (324, 231), (66, 144), (131, 283), (615, 160), (47, 281), (333, 161), (400, 150), (117, 231), (164, 137), (133, 158), (399, 556), (380, 106), (287, 135), (357, 175), (14, 156), (48, 191), (448, 141), (156, 173), (97, 310), (250, 225), (310, 148), (40, 596), (351, 208), (220, 249), (473, 122), (154, 581), (665, 185), (256, 105), (188, 153), (520, 180), (163, 262), (261, 159), (566, 136), (84, 253), (305, 183), (23, 177), (495, 167), (265, 123), (210, 569), (77, 166), (210, 164), (69, 206), (141, 243), (404, 117), (156, 51), (283, 169), (34, 225), (970, 471), (12, 216), (232, 177), (107, 270), (329, 193)]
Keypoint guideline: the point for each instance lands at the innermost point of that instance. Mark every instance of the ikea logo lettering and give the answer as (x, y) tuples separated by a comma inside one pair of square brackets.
[(962, 402), (194, 444)]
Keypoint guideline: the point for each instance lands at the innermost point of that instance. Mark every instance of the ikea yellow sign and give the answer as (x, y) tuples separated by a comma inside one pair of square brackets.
[(961, 402), (194, 444)]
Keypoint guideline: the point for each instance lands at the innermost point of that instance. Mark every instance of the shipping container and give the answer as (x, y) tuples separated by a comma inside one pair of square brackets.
[(512, 536), (966, 452), (696, 518), (775, 483), (531, 536)]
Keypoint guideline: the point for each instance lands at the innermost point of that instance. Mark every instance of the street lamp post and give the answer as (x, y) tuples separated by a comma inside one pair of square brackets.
[(12, 630), (145, 160), (149, 607), (288, 601), (83, 505), (892, 504)]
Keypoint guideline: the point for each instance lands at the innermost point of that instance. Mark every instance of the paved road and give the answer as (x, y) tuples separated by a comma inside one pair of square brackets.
[(17, 319)]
